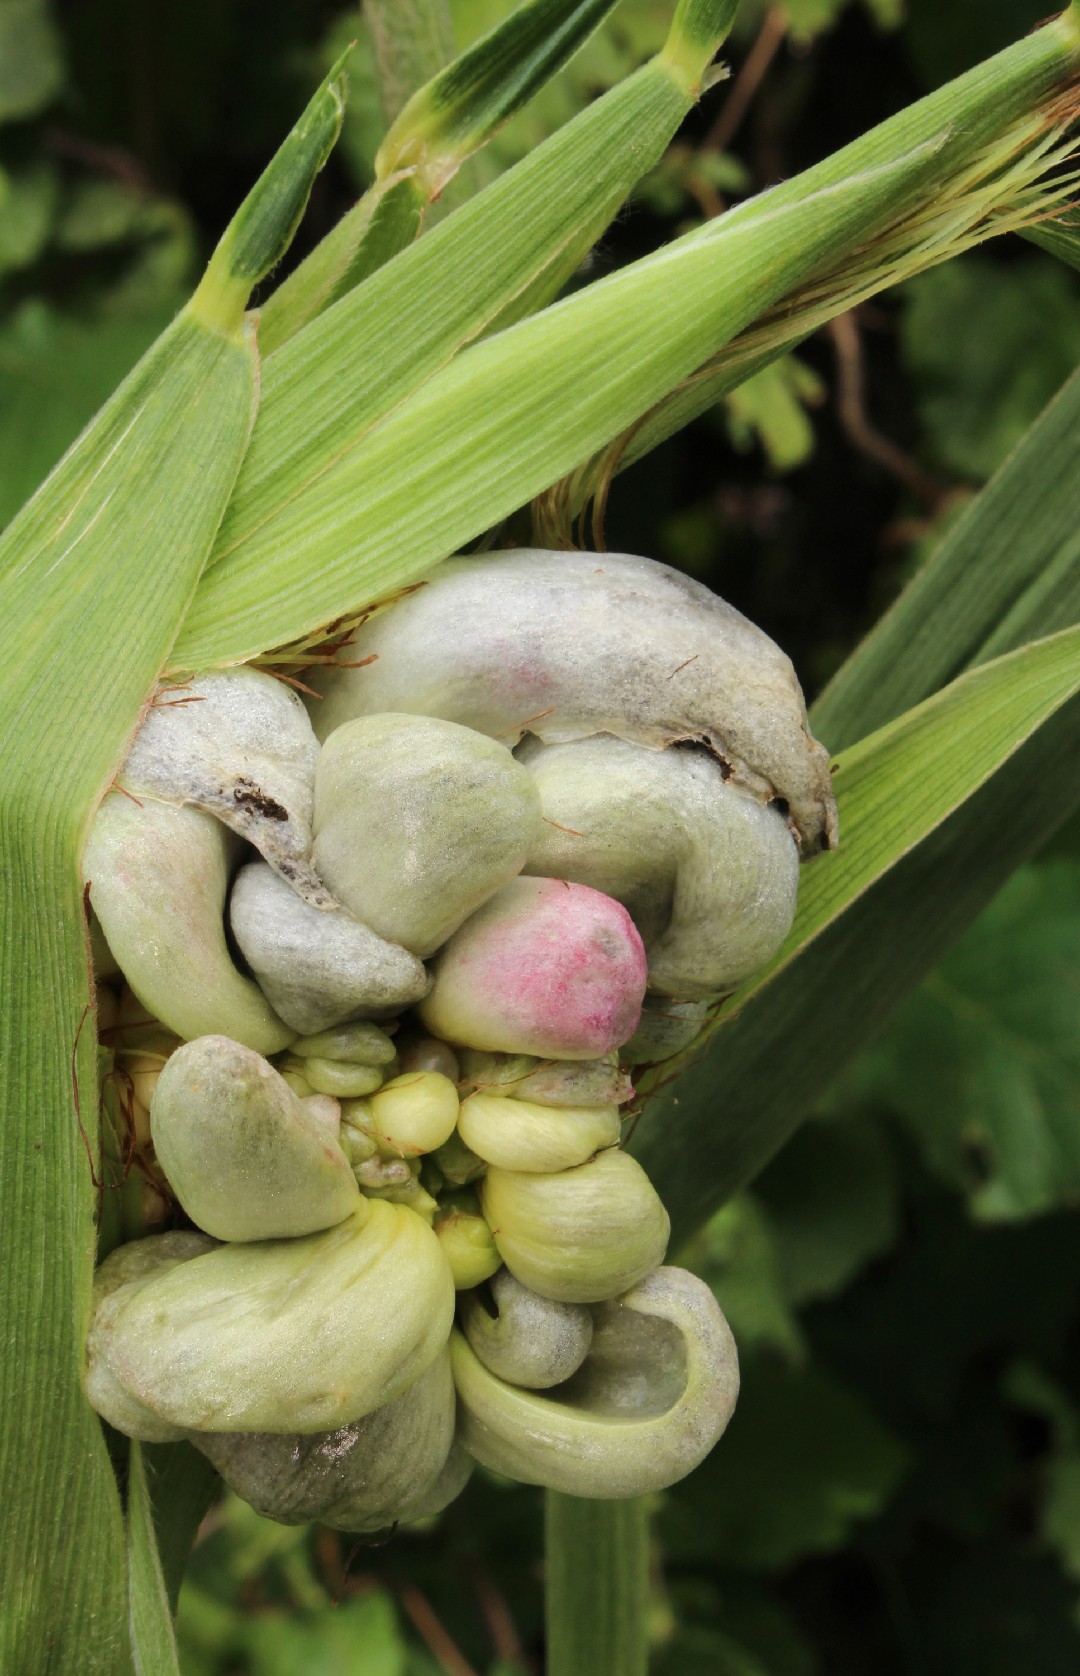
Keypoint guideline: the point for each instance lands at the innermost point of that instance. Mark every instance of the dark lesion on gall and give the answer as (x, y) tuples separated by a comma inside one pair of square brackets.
[(246, 795)]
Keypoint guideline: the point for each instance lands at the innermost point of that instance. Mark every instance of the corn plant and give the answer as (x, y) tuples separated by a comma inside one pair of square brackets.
[(277, 496)]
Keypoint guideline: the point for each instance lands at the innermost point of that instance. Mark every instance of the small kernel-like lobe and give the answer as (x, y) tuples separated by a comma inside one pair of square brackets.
[(546, 968)]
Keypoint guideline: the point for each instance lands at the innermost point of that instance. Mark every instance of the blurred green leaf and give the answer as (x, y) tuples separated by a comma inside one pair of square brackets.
[(770, 408), (27, 207), (56, 369), (31, 64), (354, 1636), (832, 1202), (97, 213), (988, 345), (736, 1253), (708, 1652), (943, 41), (983, 1062), (728, 1616), (801, 1463)]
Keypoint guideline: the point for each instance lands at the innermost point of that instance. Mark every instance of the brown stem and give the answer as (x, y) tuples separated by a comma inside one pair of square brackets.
[(433, 1633), (752, 74), (858, 428)]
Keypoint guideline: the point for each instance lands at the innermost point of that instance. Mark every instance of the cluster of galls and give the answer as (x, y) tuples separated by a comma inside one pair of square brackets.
[(559, 803)]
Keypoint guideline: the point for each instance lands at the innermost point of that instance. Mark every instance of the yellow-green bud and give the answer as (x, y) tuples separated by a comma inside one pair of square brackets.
[(579, 1235), (415, 1113), (516, 1135)]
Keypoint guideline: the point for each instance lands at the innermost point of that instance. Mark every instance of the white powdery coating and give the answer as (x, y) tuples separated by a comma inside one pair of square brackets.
[(158, 876), (564, 645), (417, 822), (317, 968), (299, 1335), (238, 744), (531, 1341), (363, 1476), (709, 875), (651, 1399), (246, 1157)]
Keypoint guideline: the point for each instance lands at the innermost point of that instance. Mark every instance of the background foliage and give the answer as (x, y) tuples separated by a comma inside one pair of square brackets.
[(900, 1489)]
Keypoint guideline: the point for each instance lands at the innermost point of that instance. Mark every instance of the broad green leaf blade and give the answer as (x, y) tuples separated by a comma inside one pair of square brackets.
[(767, 1065), (508, 416), (153, 1643), (1007, 571), (325, 389), (982, 1064)]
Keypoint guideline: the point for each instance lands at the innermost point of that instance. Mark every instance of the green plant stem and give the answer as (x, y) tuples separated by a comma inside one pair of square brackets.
[(597, 1586)]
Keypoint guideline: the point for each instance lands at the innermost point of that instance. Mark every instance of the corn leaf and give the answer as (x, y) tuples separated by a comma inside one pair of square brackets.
[(501, 420), (442, 124), (1007, 571), (411, 317), (95, 575), (153, 1643)]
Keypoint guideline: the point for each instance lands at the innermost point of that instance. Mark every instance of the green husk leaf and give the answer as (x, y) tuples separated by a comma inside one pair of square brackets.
[(328, 386), (503, 419), (455, 113), (443, 123), (262, 229), (301, 502), (1007, 571), (96, 573), (153, 1643), (1004, 177)]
